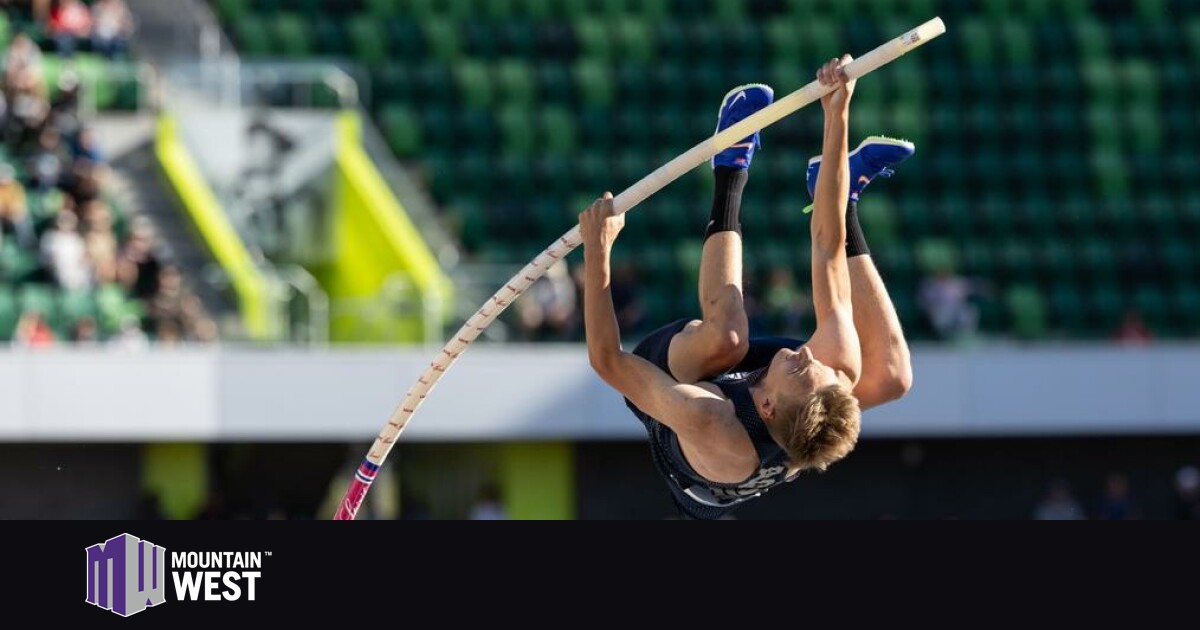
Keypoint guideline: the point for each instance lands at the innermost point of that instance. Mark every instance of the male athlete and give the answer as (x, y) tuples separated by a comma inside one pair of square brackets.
[(730, 417)]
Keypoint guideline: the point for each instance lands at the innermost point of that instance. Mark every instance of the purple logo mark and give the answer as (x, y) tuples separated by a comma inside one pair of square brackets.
[(126, 575)]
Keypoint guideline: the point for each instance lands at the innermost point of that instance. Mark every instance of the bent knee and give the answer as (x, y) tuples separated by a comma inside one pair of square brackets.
[(729, 346)]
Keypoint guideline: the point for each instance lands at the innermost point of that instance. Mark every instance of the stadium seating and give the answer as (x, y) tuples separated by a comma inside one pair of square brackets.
[(1055, 140)]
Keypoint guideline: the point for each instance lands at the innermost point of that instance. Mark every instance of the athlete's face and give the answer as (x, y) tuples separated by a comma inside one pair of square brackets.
[(797, 372)]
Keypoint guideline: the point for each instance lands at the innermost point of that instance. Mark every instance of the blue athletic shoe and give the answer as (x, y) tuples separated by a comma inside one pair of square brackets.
[(739, 103), (875, 156)]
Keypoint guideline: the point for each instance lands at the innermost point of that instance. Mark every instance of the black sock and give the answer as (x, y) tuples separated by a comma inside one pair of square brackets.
[(727, 200), (856, 241)]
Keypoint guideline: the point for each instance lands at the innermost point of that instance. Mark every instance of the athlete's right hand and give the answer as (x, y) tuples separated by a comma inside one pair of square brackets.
[(600, 224), (833, 73)]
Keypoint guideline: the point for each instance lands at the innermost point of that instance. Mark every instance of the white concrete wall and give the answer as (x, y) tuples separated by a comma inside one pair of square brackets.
[(519, 392)]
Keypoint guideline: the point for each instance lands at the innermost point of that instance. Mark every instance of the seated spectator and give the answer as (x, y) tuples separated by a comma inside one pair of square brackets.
[(64, 107), (87, 148), (49, 162), (100, 243), (85, 331), (548, 306), (27, 110), (137, 265), (1117, 504), (33, 331), (1133, 330), (22, 62), (86, 180), (1187, 494), (1058, 504), (944, 297), (786, 304), (14, 214), (131, 336), (627, 302), (64, 254), (167, 333), (167, 305), (70, 22), (113, 27)]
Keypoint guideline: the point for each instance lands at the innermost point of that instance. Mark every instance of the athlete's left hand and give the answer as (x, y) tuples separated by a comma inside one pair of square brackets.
[(600, 224)]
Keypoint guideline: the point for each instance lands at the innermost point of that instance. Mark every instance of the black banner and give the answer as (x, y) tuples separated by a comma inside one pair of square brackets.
[(377, 572)]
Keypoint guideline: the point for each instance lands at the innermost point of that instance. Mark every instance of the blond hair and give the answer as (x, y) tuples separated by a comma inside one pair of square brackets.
[(819, 429)]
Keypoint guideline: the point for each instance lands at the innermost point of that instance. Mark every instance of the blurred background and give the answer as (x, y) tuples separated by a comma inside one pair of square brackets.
[(235, 232)]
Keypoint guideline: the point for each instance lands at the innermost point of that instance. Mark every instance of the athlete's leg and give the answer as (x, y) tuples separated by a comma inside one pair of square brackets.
[(716, 343), (886, 365)]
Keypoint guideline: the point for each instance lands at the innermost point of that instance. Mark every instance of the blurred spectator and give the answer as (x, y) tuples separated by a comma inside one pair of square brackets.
[(131, 336), (627, 301), (1133, 330), (199, 327), (167, 333), (49, 161), (33, 331), (944, 297), (14, 215), (1058, 504), (22, 62), (786, 304), (1117, 503), (138, 266), (85, 181), (167, 304), (87, 148), (85, 331), (488, 506), (1187, 494), (548, 307), (113, 27), (64, 108), (100, 243), (70, 21), (64, 254)]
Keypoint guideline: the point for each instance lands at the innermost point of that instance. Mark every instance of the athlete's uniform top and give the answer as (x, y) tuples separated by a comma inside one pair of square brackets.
[(695, 496)]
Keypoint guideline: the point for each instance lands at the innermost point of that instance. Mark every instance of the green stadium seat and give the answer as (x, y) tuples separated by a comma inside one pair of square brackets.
[(517, 126), (232, 11), (9, 313), (515, 80), (442, 38), (402, 129), (330, 39), (558, 131), (1068, 310), (1027, 311), (75, 305), (474, 82), (405, 38), (594, 81), (1151, 301), (595, 38), (1091, 37), (382, 9), (291, 35), (41, 298), (16, 264), (1184, 303), (1105, 307), (252, 36), (636, 39), (368, 40)]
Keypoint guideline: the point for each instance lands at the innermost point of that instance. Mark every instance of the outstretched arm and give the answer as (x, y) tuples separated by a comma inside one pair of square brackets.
[(686, 409), (835, 341)]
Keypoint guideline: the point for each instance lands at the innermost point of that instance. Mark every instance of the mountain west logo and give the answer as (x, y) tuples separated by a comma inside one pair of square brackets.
[(126, 575)]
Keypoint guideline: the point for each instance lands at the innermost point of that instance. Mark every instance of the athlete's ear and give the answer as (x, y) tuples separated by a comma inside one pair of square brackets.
[(768, 409)]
